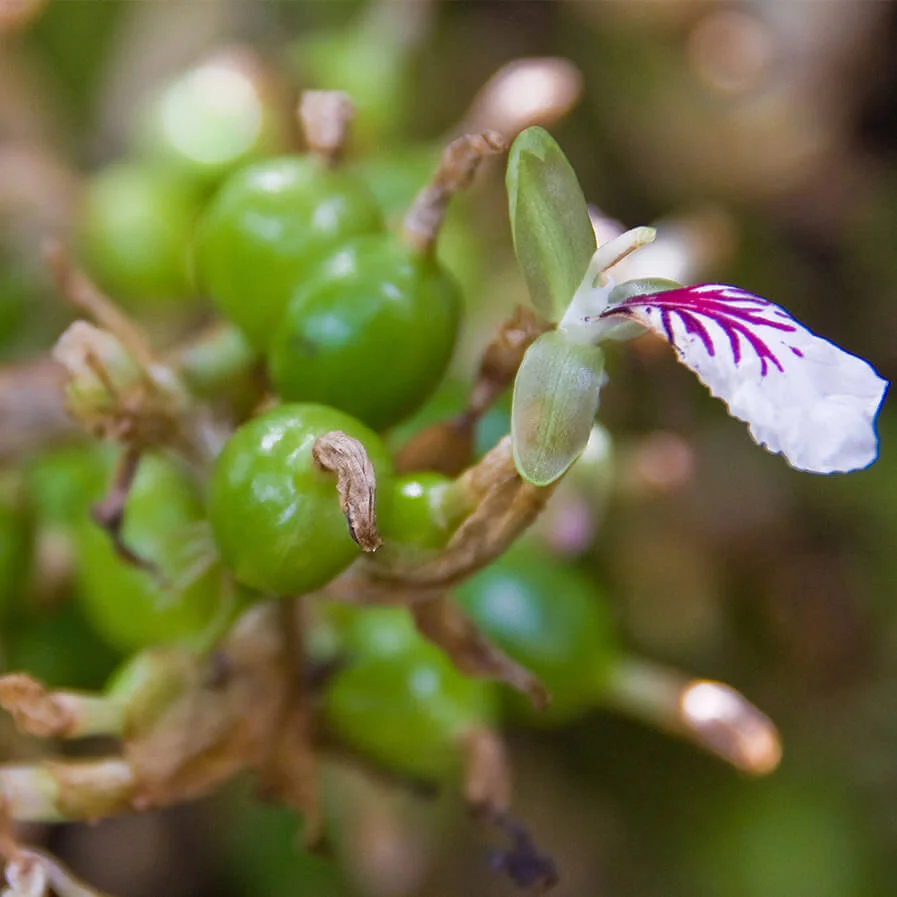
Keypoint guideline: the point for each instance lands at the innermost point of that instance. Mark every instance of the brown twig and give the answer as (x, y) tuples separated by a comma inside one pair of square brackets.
[(444, 623), (291, 770), (487, 773), (487, 791), (533, 91), (109, 512), (458, 165), (502, 357), (356, 483), (501, 506), (84, 295), (445, 447)]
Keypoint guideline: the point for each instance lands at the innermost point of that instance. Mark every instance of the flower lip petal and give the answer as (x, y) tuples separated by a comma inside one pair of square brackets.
[(800, 395)]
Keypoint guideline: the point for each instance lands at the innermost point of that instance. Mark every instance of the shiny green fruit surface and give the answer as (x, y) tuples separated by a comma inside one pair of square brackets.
[(550, 618), (371, 331), (136, 228), (276, 516), (266, 226), (408, 709), (164, 525), (417, 513)]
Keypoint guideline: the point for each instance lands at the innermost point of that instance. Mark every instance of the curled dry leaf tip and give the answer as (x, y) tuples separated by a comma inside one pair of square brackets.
[(457, 167), (356, 483)]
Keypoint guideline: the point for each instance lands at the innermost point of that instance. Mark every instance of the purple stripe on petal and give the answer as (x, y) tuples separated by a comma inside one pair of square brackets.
[(740, 315)]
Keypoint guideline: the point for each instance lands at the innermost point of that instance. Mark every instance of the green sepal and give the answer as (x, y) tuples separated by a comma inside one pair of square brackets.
[(553, 236), (556, 397)]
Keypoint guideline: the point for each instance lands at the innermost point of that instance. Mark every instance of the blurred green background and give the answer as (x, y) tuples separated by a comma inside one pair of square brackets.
[(765, 132)]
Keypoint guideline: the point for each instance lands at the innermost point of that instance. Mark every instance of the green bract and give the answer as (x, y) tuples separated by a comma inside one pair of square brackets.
[(553, 236), (275, 514), (556, 397)]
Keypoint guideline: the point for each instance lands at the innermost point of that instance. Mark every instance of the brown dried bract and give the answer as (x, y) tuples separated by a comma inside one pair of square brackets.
[(446, 625), (109, 513), (502, 357), (458, 165), (36, 710), (356, 484), (445, 447)]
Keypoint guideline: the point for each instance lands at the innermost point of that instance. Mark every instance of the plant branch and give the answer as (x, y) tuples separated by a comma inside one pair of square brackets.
[(84, 295), (458, 165), (444, 623), (109, 512)]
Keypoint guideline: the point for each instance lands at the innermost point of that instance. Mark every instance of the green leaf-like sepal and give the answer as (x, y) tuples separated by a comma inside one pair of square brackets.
[(553, 237), (555, 401)]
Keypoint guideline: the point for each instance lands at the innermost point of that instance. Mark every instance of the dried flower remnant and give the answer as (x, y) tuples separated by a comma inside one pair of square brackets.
[(356, 484)]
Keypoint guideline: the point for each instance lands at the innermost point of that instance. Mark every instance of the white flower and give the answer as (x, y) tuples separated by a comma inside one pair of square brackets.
[(799, 394)]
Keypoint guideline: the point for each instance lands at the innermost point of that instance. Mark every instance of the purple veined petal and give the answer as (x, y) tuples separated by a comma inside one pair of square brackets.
[(800, 395)]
